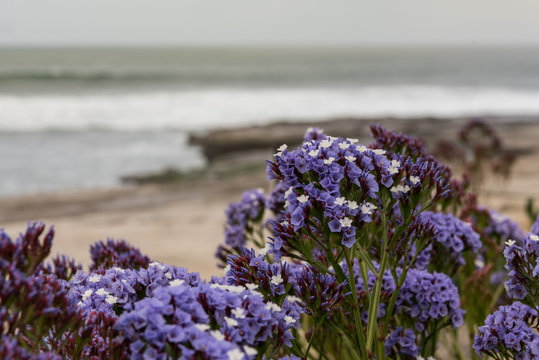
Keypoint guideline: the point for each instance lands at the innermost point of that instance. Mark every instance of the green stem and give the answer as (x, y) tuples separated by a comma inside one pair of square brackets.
[(456, 346), (357, 315), (312, 336), (393, 300), (375, 295)]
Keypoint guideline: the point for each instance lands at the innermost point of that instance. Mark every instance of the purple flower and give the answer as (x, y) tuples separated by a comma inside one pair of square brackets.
[(452, 238), (213, 321), (241, 215), (116, 254), (522, 261), (506, 332), (425, 296), (503, 227), (401, 342)]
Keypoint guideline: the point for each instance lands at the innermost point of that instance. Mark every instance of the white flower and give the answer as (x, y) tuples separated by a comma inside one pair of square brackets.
[(534, 237), (176, 282), (368, 208), (289, 191), (340, 201), (202, 327), (289, 320), (303, 198), (286, 204), (238, 313), (414, 180), (250, 351), (251, 286), (111, 299), (217, 334), (273, 307), (379, 151), (157, 265), (400, 188), (324, 144), (117, 269), (79, 303), (102, 292), (394, 167), (510, 242), (226, 269), (235, 354), (344, 146), (313, 153), (362, 148), (329, 160), (346, 222), (168, 275), (231, 322), (479, 263), (87, 294), (292, 298), (282, 148), (235, 289), (353, 141), (352, 205), (277, 154), (94, 278), (264, 250), (350, 158), (276, 279)]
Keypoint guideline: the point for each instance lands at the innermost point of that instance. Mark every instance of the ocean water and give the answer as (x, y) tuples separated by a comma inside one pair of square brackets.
[(79, 118)]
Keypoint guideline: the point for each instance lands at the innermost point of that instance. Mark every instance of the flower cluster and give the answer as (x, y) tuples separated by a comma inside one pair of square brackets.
[(397, 142), (276, 201), (116, 254), (336, 181), (427, 298), (506, 331), (322, 294), (523, 265), (249, 269), (35, 310), (27, 252), (62, 267), (402, 343), (115, 290), (240, 215), (503, 228), (11, 349), (535, 227), (452, 238), (210, 321)]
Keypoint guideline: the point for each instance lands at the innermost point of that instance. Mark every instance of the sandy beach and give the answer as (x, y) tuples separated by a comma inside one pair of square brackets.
[(182, 223)]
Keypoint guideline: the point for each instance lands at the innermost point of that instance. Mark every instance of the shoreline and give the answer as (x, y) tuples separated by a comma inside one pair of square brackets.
[(182, 223)]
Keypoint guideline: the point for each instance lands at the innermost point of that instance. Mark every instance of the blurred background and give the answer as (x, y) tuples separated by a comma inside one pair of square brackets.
[(142, 120)]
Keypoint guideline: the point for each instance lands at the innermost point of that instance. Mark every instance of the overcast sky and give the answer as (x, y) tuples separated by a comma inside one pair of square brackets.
[(271, 22)]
